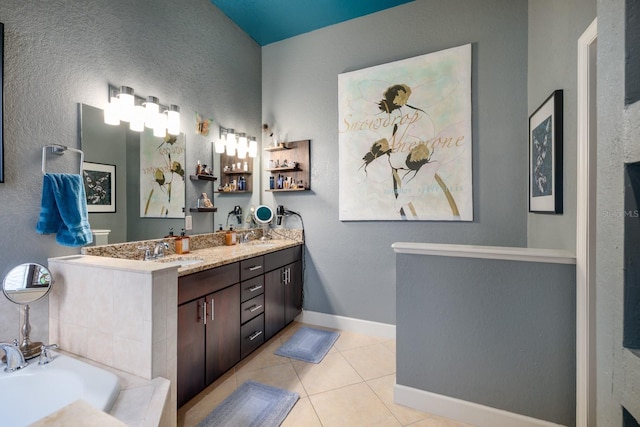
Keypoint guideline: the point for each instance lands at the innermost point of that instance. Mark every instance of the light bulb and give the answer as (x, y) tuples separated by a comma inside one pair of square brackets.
[(173, 120), (231, 142), (152, 109), (160, 129), (112, 112), (137, 119), (253, 147), (126, 102)]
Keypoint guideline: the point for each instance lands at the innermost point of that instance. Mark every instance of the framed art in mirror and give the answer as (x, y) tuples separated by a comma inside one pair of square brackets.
[(545, 156), (99, 187)]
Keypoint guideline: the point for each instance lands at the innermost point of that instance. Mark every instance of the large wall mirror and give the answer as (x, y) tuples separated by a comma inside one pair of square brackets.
[(115, 151)]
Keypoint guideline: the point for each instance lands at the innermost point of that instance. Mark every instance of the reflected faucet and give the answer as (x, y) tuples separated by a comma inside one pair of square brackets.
[(244, 238), (158, 250), (15, 359)]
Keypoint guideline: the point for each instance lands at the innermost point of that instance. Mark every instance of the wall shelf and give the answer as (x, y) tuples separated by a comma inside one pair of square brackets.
[(203, 209), (294, 152), (229, 175), (202, 178)]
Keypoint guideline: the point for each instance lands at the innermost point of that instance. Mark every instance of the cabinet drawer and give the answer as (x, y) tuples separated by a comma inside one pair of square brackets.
[(251, 288), (281, 258), (252, 308), (251, 335), (205, 282), (251, 267)]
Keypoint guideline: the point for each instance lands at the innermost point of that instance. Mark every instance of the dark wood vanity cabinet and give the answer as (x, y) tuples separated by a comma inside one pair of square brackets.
[(227, 312), (208, 328), (283, 289)]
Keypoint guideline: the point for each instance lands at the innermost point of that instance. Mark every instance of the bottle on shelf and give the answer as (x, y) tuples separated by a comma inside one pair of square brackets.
[(272, 182)]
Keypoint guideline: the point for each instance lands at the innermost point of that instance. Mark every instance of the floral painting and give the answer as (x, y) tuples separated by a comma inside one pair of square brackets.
[(405, 142), (162, 187)]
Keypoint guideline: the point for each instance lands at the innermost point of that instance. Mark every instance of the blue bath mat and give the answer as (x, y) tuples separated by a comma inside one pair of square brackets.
[(308, 344), (252, 405)]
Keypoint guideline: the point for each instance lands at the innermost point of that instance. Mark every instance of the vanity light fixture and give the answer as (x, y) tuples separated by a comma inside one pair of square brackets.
[(152, 109), (240, 145), (139, 112)]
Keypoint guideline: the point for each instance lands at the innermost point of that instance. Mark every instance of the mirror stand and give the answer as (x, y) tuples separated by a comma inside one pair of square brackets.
[(29, 349)]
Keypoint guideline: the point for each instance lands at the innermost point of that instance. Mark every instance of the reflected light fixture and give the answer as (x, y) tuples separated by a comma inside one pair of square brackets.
[(239, 145), (139, 112), (231, 142)]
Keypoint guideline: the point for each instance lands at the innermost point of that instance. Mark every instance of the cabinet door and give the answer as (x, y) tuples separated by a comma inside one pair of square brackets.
[(273, 302), (191, 362), (222, 337), (292, 291)]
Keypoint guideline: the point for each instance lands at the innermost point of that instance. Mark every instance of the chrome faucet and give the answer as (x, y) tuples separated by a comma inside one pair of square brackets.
[(15, 359), (244, 238), (45, 354), (158, 250)]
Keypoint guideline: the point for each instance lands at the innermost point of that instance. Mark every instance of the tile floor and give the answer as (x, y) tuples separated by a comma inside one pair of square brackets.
[(352, 386)]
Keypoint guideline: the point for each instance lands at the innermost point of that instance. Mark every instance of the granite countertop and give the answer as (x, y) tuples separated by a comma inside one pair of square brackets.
[(221, 255), (207, 247)]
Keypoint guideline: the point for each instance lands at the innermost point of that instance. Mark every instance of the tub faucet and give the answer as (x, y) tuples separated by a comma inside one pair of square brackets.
[(15, 358)]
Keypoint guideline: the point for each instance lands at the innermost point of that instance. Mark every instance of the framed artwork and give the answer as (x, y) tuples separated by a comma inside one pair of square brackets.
[(162, 186), (405, 139), (99, 187), (545, 156)]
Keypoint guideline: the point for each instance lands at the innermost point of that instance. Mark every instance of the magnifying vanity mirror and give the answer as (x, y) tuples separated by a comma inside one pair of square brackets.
[(25, 284), (263, 215)]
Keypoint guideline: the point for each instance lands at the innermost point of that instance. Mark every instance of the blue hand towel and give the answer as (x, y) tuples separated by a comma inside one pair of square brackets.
[(63, 209)]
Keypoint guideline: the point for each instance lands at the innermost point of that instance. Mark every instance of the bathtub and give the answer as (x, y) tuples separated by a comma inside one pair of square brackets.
[(39, 390)]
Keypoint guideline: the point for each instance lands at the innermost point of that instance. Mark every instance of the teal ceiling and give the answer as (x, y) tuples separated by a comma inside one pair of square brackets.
[(269, 21)]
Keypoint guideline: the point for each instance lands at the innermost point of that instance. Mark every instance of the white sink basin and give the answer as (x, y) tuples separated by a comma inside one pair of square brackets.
[(56, 384)]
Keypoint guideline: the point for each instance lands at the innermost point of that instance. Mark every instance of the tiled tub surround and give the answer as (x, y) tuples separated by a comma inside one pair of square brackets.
[(123, 312)]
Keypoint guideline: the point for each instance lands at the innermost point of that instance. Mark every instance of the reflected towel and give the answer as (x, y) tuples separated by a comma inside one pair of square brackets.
[(63, 209)]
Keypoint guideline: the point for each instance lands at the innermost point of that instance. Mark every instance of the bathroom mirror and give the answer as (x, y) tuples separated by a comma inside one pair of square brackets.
[(27, 283), (120, 147), (24, 284)]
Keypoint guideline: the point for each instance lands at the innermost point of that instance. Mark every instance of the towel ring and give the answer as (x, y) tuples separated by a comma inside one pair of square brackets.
[(59, 150)]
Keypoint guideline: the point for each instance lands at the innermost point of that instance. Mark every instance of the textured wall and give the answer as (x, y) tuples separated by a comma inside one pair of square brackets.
[(350, 265), (505, 339), (554, 29), (618, 370), (64, 52)]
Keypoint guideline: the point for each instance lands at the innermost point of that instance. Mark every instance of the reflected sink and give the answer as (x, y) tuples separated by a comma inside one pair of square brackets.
[(180, 262)]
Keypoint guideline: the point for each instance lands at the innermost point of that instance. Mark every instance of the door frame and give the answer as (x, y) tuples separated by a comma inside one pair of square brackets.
[(585, 232)]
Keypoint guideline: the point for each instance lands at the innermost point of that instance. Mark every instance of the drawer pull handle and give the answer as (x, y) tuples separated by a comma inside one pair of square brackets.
[(255, 267), (255, 288), (254, 308), (255, 335)]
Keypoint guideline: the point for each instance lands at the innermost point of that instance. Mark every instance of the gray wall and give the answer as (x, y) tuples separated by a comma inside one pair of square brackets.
[(505, 339), (554, 29), (350, 265), (618, 370), (61, 53)]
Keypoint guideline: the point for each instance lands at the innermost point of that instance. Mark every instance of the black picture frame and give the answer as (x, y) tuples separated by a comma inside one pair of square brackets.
[(1, 102), (545, 156), (99, 187)]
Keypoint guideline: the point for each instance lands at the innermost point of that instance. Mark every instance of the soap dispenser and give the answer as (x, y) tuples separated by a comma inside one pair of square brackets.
[(182, 243), (230, 237)]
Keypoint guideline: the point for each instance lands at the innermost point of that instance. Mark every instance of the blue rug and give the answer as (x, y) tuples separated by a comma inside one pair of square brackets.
[(252, 405), (308, 344)]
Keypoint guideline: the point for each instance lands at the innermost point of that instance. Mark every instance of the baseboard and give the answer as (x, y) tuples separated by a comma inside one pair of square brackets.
[(461, 410), (383, 330)]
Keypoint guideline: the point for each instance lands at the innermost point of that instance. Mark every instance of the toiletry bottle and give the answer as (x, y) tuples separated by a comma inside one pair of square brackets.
[(170, 235), (272, 183), (182, 245), (230, 237)]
